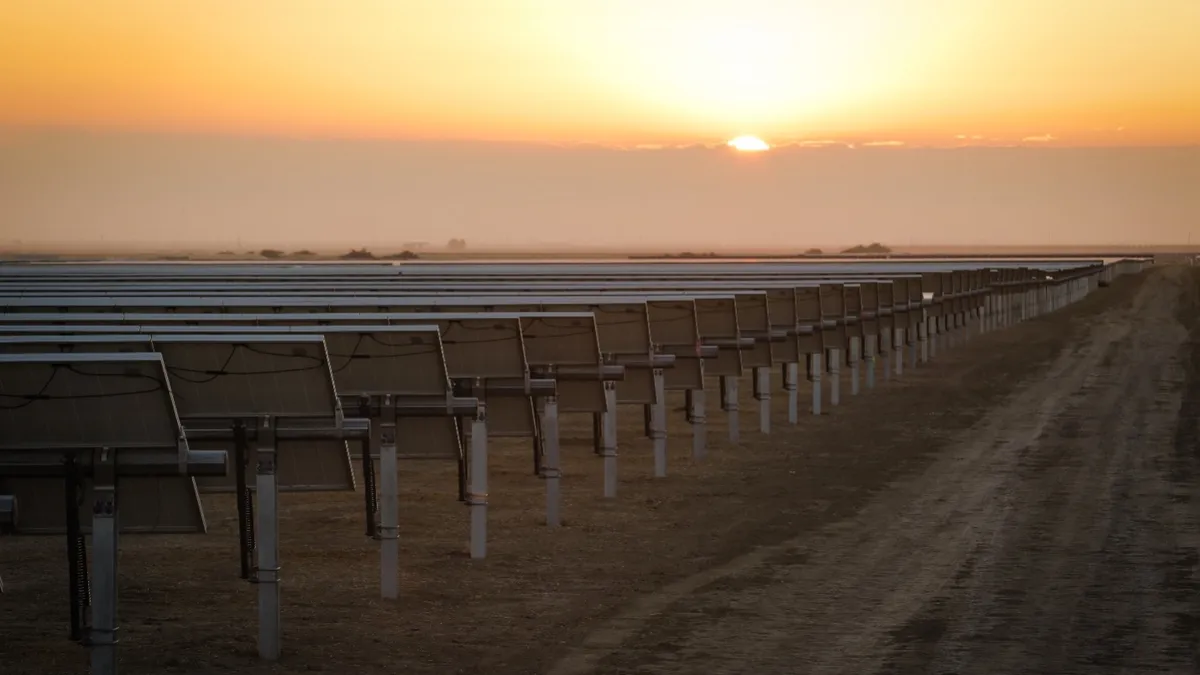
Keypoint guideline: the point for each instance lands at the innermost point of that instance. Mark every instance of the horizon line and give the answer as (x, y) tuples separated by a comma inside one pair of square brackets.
[(822, 141)]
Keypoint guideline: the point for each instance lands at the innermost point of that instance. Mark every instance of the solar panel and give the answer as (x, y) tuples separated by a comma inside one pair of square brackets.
[(622, 325), (85, 418), (599, 269), (482, 288), (155, 504), (220, 378), (550, 350), (94, 392), (277, 392), (348, 302), (567, 346), (488, 356)]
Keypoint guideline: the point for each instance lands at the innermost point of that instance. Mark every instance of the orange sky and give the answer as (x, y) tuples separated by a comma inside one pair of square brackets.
[(941, 72)]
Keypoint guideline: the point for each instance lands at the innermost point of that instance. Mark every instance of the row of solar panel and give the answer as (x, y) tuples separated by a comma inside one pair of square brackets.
[(180, 401)]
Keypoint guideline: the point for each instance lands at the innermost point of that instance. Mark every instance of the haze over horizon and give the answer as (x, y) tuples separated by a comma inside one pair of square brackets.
[(600, 122)]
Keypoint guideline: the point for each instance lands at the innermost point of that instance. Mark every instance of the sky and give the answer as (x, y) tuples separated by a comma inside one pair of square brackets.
[(194, 107)]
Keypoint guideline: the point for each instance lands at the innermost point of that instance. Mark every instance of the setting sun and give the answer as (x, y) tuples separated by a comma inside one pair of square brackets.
[(748, 144)]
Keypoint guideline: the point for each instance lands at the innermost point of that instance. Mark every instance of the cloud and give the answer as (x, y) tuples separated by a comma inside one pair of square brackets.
[(1044, 138), (972, 137), (815, 143), (883, 144)]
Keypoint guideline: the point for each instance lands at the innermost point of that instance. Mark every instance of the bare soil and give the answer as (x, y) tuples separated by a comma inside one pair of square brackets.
[(1022, 503), (1058, 534)]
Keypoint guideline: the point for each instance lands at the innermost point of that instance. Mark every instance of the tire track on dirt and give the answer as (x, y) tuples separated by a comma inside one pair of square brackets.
[(1072, 585), (1041, 541)]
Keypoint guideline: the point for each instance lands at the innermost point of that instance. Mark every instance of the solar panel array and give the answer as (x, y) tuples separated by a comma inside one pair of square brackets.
[(249, 379)]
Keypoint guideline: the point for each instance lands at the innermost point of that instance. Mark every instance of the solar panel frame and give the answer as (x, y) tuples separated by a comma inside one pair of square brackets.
[(41, 495), (173, 439)]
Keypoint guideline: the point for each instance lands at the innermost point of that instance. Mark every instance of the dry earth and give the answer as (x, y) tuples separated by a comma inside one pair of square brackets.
[(1058, 534), (1021, 504)]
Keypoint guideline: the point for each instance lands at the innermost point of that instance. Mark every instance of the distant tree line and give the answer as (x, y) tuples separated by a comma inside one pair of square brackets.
[(364, 254), (872, 248), (352, 254)]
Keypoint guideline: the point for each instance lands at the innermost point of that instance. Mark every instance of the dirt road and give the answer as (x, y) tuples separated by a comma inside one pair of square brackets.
[(1058, 534)]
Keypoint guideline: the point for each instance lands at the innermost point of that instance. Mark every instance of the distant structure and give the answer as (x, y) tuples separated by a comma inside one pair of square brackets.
[(456, 245)]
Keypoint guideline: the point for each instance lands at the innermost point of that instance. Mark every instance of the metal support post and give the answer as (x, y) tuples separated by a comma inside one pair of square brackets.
[(791, 384), (872, 351), (266, 572), (729, 401), (551, 472), (814, 373), (855, 358), (699, 419), (477, 496), (102, 637), (389, 507), (608, 439), (762, 392), (658, 424), (835, 376)]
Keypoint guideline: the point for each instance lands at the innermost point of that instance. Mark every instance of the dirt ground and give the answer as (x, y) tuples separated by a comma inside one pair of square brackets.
[(1021, 504), (1058, 534)]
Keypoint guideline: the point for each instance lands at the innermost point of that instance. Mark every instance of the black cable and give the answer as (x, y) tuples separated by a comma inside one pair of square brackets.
[(41, 395), (354, 355), (223, 370)]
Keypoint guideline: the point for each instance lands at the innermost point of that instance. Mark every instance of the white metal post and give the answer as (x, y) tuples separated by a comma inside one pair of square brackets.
[(762, 379), (699, 424), (815, 374), (835, 376), (732, 413), (791, 384), (477, 497), (925, 325), (658, 424), (389, 511), (551, 460), (608, 439), (105, 533), (855, 358), (266, 574), (872, 350)]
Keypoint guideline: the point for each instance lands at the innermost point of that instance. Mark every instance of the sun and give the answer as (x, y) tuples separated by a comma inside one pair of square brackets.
[(748, 144)]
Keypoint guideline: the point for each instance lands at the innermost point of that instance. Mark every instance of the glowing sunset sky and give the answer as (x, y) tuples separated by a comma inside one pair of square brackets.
[(292, 123), (933, 72)]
